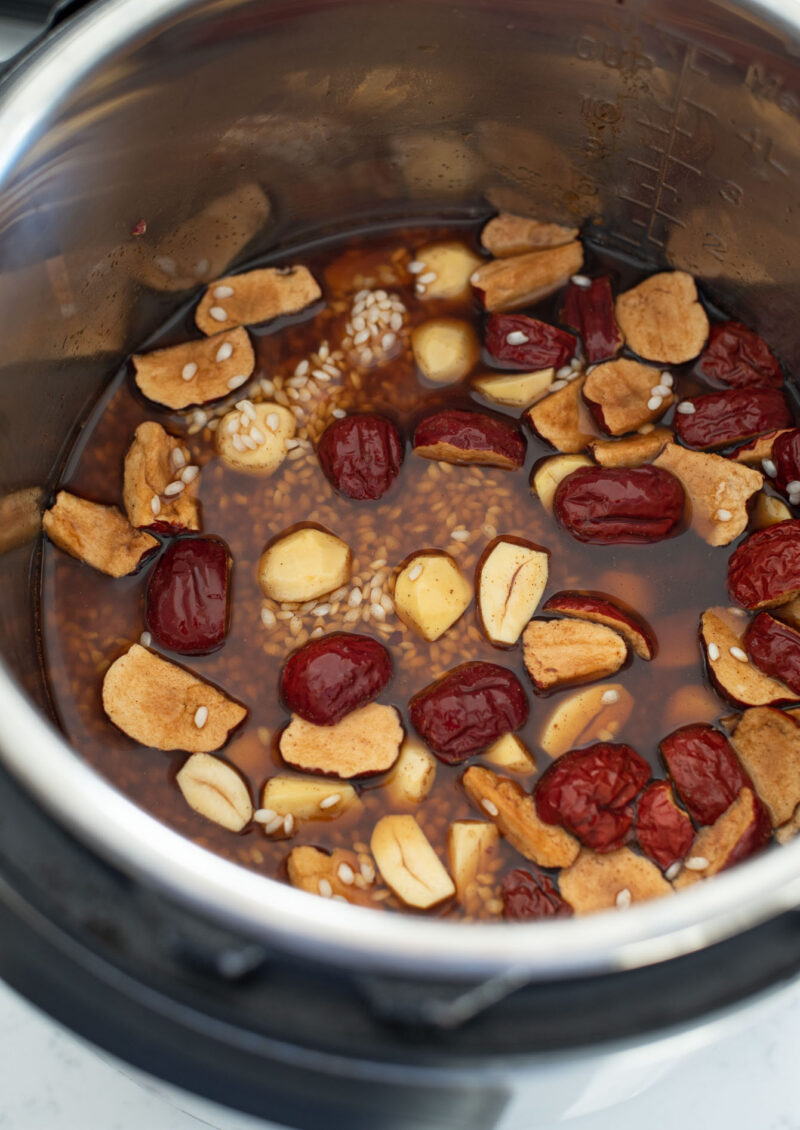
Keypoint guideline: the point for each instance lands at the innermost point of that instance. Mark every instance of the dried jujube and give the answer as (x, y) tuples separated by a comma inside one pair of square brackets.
[(589, 793), (467, 709), (518, 341), (361, 455), (663, 830), (329, 677), (706, 772), (187, 597), (614, 505), (718, 419), (530, 895), (786, 457), (765, 569), (774, 647), (590, 311), (457, 436), (737, 356)]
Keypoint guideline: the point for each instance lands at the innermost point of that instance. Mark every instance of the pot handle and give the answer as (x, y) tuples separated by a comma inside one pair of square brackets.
[(446, 1007)]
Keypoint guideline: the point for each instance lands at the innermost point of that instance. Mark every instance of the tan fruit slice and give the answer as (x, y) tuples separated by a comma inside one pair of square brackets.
[(767, 742), (634, 451), (304, 564), (365, 742), (769, 511), (517, 390), (549, 473), (471, 847), (254, 297), (195, 372), (560, 652), (563, 420), (624, 393), (159, 483), (510, 753), (787, 832), (599, 608), (521, 280), (215, 790), (252, 437), (720, 844), (412, 777), (718, 490), (757, 449), (451, 264), (509, 581), (97, 535), (508, 234), (431, 593), (612, 881), (514, 813), (308, 798), (445, 349), (408, 864), (732, 673), (662, 318), (591, 715), (331, 876), (164, 706)]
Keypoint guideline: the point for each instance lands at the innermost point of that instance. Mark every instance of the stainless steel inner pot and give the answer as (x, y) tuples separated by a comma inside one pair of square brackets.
[(230, 127)]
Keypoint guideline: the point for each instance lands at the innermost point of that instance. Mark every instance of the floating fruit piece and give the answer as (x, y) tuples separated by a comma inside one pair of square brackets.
[(467, 709), (252, 437), (595, 714), (456, 436), (315, 871), (361, 455), (718, 419), (742, 830), (625, 395), (195, 372), (507, 234), (662, 319), (308, 798), (732, 673), (408, 864), (614, 881), (718, 491), (613, 506), (510, 578), (589, 309), (366, 741), (413, 775), (755, 451), (517, 390), (562, 419), (548, 473), (510, 752), (786, 458), (451, 263), (531, 896), (589, 792), (514, 813), (445, 349), (601, 609), (738, 357), (431, 593), (164, 706), (764, 571), (215, 790), (304, 564), (517, 340), (254, 297), (471, 846), (768, 744), (663, 830), (562, 652), (160, 483), (633, 451), (522, 280), (97, 535), (775, 649), (331, 676), (704, 769), (187, 596)]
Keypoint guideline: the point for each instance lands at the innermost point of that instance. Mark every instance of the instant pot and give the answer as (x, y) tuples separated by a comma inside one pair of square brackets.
[(148, 146)]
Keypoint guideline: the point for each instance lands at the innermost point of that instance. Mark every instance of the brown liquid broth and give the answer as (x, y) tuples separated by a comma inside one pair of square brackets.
[(88, 620)]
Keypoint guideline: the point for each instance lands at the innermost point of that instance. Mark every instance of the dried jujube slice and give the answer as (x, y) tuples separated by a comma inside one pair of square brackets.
[(530, 895), (518, 341), (600, 608), (187, 597), (705, 770), (786, 457), (765, 570), (327, 678), (589, 792), (740, 831), (361, 455), (774, 647), (590, 311), (615, 505), (737, 356), (457, 436), (663, 830), (467, 709), (718, 419)]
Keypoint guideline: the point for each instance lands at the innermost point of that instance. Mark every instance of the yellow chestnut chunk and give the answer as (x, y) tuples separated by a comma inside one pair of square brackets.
[(431, 593), (510, 753), (308, 798), (509, 582), (304, 565), (517, 390), (252, 437), (445, 349), (452, 264), (412, 777), (592, 715), (471, 845), (408, 863), (549, 473)]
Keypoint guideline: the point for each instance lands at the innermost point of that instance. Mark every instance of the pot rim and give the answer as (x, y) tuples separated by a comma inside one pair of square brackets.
[(274, 912)]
